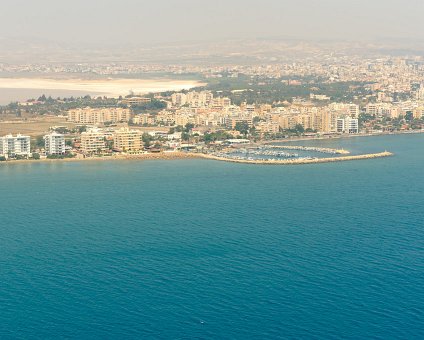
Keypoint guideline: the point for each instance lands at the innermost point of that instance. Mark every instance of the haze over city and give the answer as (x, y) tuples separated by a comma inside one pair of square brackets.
[(154, 22)]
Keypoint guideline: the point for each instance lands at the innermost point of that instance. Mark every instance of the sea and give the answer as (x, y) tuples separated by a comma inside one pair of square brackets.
[(201, 249)]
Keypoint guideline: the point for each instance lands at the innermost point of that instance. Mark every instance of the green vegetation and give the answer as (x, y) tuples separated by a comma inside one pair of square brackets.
[(154, 105), (66, 155), (147, 139), (39, 142), (216, 136), (58, 106), (260, 90), (242, 127)]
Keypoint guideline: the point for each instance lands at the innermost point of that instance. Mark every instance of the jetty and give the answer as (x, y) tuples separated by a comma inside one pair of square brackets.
[(310, 148), (297, 161)]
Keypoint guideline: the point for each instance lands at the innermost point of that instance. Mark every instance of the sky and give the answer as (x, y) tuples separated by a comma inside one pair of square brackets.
[(166, 21)]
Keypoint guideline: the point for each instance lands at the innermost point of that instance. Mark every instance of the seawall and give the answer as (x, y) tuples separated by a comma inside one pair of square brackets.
[(300, 161)]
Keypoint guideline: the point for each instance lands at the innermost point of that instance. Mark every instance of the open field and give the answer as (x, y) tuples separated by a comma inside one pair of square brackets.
[(32, 127)]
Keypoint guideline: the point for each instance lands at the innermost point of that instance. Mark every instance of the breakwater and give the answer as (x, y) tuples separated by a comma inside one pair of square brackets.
[(310, 148), (298, 161)]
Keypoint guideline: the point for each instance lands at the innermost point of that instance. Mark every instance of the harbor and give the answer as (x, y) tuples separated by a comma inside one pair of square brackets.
[(290, 159)]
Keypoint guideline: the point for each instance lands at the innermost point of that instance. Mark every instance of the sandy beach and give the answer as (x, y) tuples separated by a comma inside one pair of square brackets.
[(104, 87), (117, 157)]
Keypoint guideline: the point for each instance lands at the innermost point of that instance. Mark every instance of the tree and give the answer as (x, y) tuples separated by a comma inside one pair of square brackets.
[(299, 128), (82, 129), (409, 116), (242, 127), (39, 142), (147, 139), (185, 136), (188, 127)]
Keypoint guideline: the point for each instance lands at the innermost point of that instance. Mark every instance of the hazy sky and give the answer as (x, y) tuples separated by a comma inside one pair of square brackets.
[(146, 21)]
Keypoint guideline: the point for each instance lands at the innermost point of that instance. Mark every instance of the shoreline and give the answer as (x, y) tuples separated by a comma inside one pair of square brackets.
[(111, 87), (189, 155), (146, 156)]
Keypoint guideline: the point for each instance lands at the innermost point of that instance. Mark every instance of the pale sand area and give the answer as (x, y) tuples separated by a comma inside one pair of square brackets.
[(106, 87), (184, 155), (117, 157)]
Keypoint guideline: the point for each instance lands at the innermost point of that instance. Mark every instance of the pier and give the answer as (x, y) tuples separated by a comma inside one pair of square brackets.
[(310, 148), (298, 161)]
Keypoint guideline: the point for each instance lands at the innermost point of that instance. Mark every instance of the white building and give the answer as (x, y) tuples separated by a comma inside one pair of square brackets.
[(54, 144), (347, 125), (15, 146)]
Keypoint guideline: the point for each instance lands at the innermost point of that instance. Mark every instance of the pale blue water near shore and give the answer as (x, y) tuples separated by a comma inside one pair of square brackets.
[(202, 249)]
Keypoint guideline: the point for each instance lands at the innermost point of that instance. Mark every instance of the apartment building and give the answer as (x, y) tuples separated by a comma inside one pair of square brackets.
[(99, 115), (54, 144), (347, 125), (93, 141), (18, 145), (125, 140)]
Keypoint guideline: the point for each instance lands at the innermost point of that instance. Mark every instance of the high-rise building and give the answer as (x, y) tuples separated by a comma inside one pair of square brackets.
[(127, 140), (93, 141), (54, 144), (18, 145), (347, 125)]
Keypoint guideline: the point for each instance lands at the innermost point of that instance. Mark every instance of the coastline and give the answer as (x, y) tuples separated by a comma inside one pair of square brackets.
[(145, 156), (189, 155), (19, 88)]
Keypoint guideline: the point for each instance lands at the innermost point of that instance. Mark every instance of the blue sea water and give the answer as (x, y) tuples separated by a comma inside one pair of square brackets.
[(202, 249)]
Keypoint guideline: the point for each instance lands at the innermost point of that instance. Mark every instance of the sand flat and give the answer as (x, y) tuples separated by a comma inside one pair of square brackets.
[(107, 87)]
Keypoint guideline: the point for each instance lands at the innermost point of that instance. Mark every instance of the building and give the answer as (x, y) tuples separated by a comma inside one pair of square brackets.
[(99, 115), (231, 122), (347, 125), (127, 140), (93, 141), (54, 144), (179, 99), (136, 101), (18, 145)]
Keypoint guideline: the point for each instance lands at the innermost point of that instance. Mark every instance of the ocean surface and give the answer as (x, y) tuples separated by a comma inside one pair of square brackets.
[(187, 249)]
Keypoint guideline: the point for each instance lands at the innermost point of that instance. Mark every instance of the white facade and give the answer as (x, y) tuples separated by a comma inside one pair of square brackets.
[(18, 145), (55, 144), (347, 125)]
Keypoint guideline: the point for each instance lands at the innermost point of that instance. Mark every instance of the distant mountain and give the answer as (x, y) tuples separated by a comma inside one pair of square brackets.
[(38, 50)]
